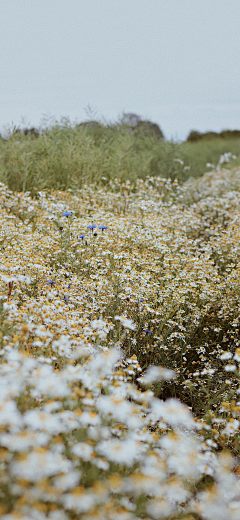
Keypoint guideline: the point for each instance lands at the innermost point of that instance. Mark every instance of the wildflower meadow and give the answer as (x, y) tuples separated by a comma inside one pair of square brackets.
[(120, 349)]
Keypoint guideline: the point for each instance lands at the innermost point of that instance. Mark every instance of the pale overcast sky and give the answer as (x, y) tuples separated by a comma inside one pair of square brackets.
[(176, 62)]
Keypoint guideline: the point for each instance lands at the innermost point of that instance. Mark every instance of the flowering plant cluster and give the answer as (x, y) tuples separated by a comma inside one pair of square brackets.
[(120, 351)]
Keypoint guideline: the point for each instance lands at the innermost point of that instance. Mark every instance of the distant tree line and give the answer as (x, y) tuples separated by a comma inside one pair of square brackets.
[(136, 126), (195, 136), (132, 123)]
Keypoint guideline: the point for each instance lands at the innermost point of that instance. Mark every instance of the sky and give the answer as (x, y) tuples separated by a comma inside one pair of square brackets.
[(175, 62)]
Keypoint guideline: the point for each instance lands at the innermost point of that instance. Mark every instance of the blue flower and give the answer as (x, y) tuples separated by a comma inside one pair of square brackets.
[(69, 286), (92, 227), (50, 282), (67, 213), (141, 300), (148, 331), (102, 227), (82, 236)]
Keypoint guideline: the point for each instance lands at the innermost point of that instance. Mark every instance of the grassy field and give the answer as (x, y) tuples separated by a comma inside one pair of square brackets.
[(64, 156), (120, 315)]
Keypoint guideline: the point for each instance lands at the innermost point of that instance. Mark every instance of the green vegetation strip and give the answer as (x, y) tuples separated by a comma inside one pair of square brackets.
[(64, 156)]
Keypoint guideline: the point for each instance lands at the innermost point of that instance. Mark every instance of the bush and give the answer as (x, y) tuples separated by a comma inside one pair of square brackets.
[(65, 157)]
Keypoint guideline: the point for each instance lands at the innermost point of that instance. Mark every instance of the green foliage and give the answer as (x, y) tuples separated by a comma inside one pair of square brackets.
[(198, 154), (64, 157), (195, 136)]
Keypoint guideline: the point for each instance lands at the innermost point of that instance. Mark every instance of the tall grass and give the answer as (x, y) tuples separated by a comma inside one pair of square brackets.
[(198, 154), (67, 156)]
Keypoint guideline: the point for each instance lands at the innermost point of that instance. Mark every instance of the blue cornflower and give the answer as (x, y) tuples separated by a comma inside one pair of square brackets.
[(50, 282), (102, 227), (65, 299), (147, 331), (82, 236), (141, 300), (92, 227), (69, 286), (67, 213)]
